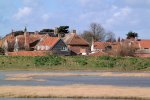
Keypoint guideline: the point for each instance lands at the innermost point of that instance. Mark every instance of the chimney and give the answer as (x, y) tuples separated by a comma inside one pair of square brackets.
[(26, 36), (36, 32), (56, 30), (59, 35), (12, 32), (92, 46), (74, 31)]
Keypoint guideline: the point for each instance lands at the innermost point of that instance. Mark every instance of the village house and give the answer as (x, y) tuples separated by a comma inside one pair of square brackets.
[(99, 48), (77, 44), (54, 45), (36, 44), (144, 48), (26, 43), (141, 47), (33, 44), (21, 42)]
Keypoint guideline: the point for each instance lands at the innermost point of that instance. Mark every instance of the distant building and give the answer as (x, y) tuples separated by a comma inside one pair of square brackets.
[(144, 48), (77, 44), (30, 42), (54, 45)]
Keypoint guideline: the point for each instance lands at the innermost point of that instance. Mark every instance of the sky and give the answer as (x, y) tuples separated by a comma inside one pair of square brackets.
[(118, 16)]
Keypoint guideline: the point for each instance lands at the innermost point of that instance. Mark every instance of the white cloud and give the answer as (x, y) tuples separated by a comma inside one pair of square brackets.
[(23, 12), (122, 12), (119, 16)]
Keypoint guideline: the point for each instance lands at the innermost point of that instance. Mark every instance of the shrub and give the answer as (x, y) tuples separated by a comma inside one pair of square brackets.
[(105, 64), (48, 60), (81, 61), (107, 58)]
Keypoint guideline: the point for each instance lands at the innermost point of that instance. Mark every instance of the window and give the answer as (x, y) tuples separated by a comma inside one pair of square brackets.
[(64, 49)]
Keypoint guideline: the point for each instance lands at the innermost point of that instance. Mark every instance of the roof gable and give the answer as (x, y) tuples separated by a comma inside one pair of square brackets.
[(74, 39), (59, 41), (48, 41)]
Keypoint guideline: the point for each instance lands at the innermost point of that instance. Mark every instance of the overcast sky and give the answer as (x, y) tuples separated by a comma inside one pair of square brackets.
[(118, 16)]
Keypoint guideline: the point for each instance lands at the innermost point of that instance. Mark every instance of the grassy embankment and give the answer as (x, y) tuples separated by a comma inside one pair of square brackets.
[(55, 63)]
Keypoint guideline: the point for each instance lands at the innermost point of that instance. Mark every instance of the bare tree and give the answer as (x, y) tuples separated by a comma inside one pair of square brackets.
[(110, 37), (87, 35), (98, 31)]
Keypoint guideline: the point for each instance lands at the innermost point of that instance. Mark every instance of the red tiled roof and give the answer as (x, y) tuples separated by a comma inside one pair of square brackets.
[(145, 43), (49, 41), (101, 45), (27, 53), (78, 49), (21, 39), (74, 39), (75, 49)]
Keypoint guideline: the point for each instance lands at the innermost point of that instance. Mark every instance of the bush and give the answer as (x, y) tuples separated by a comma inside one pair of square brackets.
[(107, 58), (81, 61), (105, 64), (48, 60)]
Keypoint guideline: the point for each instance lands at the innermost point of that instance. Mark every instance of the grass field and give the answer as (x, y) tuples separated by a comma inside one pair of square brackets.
[(60, 63)]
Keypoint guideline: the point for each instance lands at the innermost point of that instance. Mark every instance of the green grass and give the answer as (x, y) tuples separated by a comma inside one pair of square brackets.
[(62, 63)]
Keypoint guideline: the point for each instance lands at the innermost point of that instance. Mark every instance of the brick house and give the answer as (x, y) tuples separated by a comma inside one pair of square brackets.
[(77, 44), (30, 42), (54, 45), (144, 48)]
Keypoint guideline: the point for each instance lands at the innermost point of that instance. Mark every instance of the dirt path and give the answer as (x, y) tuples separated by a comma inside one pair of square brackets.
[(75, 91)]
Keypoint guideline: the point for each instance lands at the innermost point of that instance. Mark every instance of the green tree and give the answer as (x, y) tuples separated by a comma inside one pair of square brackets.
[(16, 33), (62, 30), (47, 30), (132, 35)]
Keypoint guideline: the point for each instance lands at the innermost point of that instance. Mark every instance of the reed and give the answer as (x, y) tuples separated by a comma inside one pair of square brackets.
[(76, 91)]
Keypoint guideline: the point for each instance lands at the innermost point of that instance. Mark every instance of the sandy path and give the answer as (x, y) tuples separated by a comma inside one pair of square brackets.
[(78, 91)]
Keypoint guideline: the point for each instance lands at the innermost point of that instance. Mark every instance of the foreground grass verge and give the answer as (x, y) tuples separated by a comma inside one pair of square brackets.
[(75, 91), (61, 63)]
